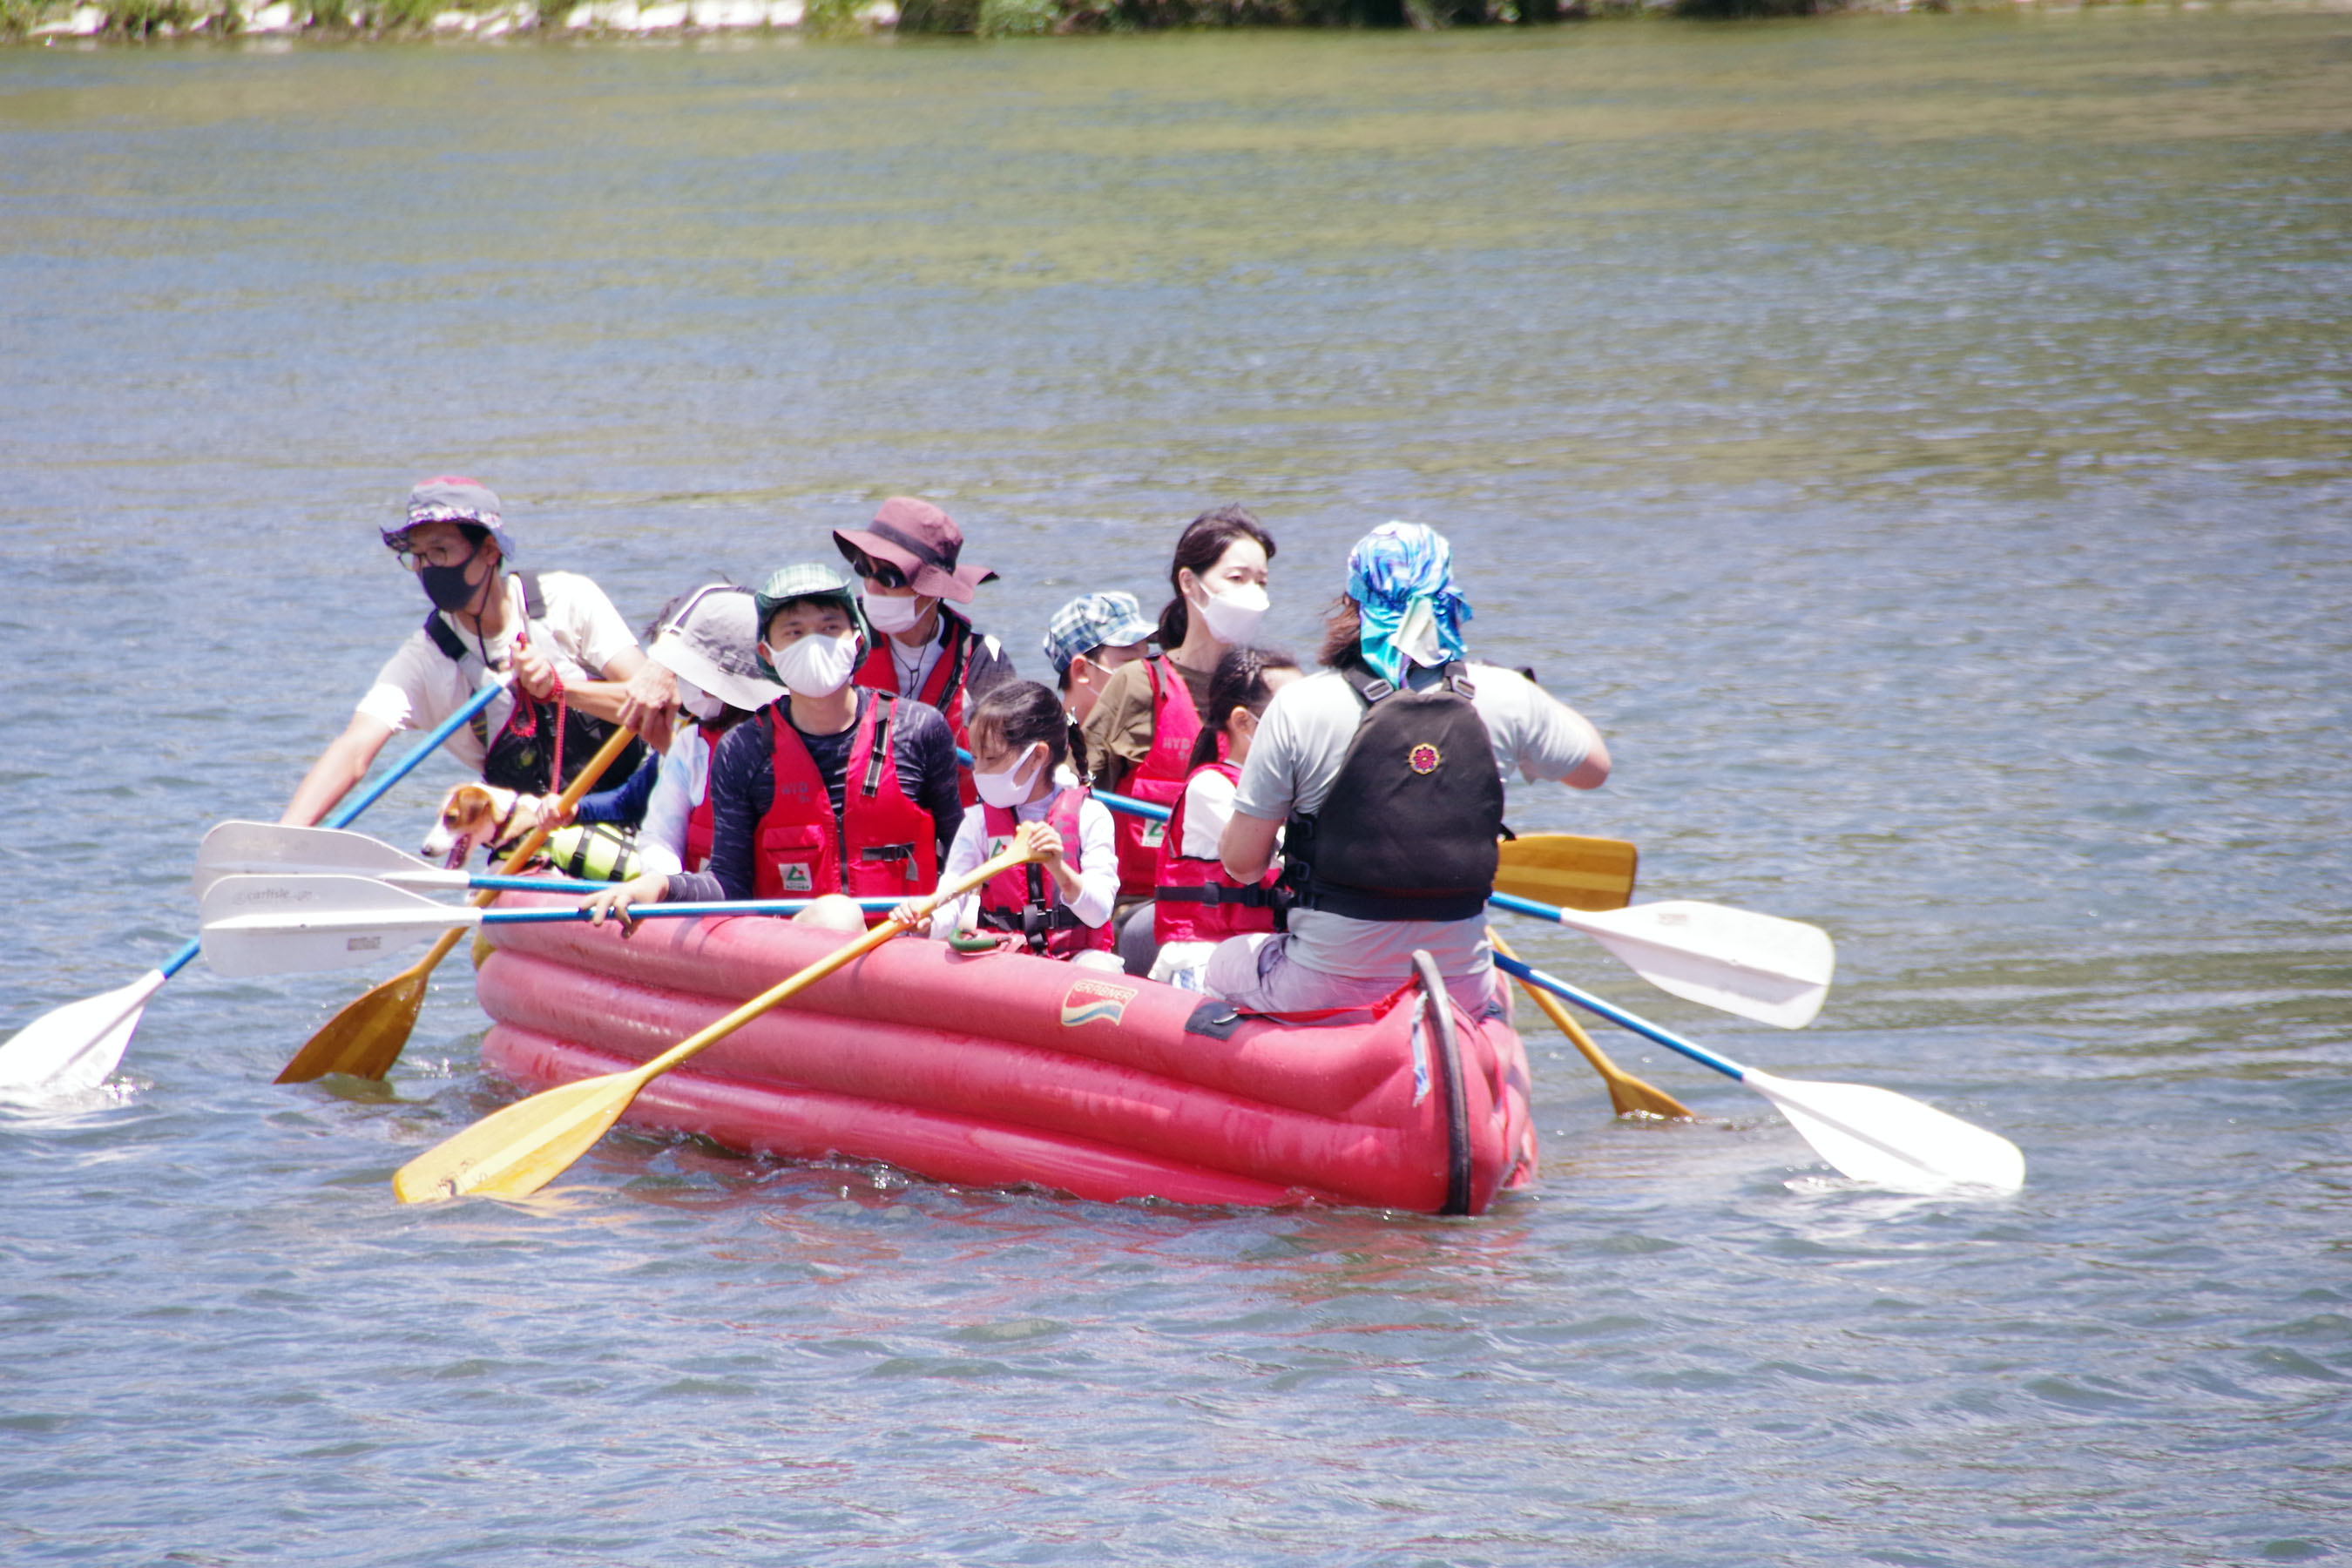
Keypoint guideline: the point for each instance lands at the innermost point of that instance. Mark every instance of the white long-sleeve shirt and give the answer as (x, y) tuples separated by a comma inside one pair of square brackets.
[(677, 789), (1097, 861)]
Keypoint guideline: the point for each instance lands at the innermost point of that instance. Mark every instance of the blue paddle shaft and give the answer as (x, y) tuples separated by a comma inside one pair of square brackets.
[(533, 885), (1519, 906), (673, 912), (1618, 1015), (432, 743), (1133, 807)]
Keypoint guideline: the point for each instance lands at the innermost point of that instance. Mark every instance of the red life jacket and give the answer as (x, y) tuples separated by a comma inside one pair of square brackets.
[(1025, 900), (1159, 778), (882, 846), (943, 689), (1195, 900), (698, 821)]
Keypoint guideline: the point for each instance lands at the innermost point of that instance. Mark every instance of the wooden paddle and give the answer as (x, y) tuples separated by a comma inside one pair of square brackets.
[(1568, 869), (366, 1037), (514, 1152), (1627, 1095)]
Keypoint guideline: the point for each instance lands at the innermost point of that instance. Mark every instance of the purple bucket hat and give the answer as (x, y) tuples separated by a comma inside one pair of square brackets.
[(453, 497)]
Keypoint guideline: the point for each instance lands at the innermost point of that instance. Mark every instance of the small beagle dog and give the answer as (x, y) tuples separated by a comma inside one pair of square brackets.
[(481, 815)]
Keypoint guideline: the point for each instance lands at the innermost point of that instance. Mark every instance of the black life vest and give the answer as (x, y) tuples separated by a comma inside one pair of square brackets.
[(517, 758), (1408, 832)]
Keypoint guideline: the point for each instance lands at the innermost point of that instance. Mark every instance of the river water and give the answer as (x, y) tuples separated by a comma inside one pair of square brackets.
[(1920, 444)]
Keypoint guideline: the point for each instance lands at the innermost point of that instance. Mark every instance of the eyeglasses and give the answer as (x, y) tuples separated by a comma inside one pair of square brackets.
[(881, 574), (433, 555)]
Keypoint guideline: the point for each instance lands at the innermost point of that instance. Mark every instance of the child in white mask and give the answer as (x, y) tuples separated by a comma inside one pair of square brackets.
[(1060, 907)]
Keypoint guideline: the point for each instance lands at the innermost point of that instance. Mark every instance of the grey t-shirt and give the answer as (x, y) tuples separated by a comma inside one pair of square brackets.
[(1294, 759)]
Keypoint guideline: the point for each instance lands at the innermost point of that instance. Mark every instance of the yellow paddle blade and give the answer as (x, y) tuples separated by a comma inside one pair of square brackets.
[(1627, 1095), (367, 1037), (514, 1152), (1569, 870)]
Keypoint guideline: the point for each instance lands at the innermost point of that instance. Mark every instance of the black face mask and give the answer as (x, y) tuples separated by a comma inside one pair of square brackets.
[(447, 586)]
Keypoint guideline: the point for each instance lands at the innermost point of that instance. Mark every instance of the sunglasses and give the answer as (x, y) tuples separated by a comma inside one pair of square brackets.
[(881, 574)]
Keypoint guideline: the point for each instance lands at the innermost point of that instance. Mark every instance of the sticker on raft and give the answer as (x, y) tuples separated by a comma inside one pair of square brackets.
[(1095, 1001)]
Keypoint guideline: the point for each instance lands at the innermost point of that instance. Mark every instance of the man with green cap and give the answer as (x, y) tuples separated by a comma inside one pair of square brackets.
[(569, 649), (836, 792)]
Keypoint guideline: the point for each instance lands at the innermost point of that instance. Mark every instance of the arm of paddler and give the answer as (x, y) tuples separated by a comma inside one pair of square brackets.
[(1094, 892), (343, 764), (648, 705), (1246, 847)]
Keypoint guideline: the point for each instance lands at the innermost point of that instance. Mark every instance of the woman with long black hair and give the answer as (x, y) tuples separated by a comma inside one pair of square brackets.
[(1139, 736)]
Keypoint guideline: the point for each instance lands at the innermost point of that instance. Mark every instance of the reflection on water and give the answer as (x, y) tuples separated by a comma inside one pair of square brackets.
[(1918, 442)]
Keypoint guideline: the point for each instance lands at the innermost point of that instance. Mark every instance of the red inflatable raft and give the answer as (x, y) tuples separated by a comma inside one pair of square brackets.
[(1001, 1069)]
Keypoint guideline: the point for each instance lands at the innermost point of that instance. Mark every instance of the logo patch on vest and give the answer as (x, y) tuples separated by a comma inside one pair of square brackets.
[(1423, 758), (795, 877), (1155, 834), (1095, 1001)]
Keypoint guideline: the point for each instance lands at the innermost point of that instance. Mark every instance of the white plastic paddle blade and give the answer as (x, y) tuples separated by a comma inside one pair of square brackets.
[(1890, 1140), (296, 925), (1762, 967), (268, 848), (76, 1046)]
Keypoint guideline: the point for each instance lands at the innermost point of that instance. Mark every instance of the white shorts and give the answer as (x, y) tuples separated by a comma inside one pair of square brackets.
[(1255, 973)]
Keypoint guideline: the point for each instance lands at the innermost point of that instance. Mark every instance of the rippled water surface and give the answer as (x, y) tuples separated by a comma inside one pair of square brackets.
[(1920, 445)]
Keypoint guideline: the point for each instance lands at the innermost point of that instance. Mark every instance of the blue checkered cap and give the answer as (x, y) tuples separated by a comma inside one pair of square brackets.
[(1091, 621)]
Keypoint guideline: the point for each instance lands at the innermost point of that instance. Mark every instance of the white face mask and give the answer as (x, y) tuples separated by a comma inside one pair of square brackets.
[(1233, 615), (814, 665), (1007, 790), (699, 703), (898, 615)]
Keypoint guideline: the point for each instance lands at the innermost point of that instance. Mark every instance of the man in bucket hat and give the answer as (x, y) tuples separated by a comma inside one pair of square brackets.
[(908, 562), (569, 649)]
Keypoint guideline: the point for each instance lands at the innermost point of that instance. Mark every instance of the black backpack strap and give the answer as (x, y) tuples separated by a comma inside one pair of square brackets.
[(963, 637), (452, 647), (534, 605), (1367, 685), (879, 757)]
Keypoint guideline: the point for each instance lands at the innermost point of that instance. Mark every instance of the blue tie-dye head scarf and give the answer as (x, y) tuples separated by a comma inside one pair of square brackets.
[(1402, 577)]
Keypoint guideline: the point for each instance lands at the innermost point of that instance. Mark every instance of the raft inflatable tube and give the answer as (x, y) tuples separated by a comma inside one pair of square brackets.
[(1002, 1069)]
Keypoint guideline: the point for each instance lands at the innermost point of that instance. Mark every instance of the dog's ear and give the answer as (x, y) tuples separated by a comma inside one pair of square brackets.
[(467, 800)]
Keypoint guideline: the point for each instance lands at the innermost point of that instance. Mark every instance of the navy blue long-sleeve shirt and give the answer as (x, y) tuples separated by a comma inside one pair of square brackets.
[(743, 788), (624, 806)]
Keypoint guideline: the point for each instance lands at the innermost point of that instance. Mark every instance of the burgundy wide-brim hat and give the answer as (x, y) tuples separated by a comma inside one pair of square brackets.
[(921, 541)]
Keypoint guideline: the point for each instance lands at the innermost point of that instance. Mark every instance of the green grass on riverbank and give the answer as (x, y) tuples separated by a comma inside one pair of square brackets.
[(52, 21)]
